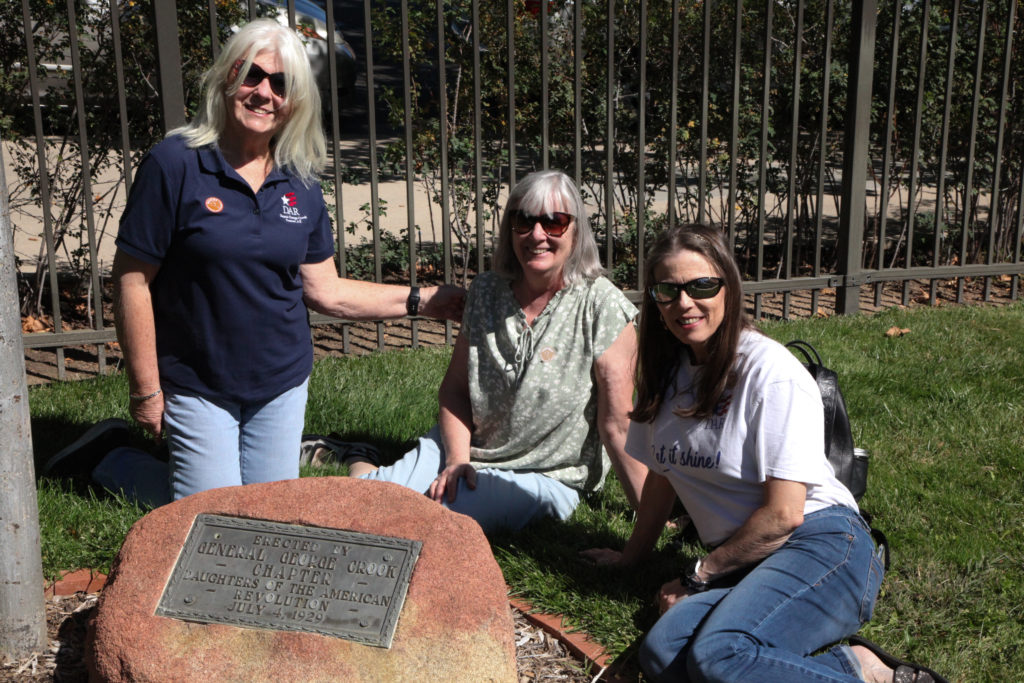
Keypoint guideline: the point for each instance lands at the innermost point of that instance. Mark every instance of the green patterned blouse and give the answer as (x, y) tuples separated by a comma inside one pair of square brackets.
[(532, 388)]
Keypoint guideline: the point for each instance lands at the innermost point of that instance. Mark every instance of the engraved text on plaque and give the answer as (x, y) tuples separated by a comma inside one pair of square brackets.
[(271, 575)]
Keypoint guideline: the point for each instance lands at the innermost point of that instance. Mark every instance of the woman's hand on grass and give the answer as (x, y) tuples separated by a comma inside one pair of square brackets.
[(448, 481), (671, 593), (602, 557)]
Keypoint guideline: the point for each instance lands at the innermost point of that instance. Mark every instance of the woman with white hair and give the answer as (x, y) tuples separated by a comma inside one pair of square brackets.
[(540, 378), (224, 237)]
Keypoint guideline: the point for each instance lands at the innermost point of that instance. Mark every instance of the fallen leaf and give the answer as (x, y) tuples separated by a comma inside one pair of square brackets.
[(30, 324), (897, 331)]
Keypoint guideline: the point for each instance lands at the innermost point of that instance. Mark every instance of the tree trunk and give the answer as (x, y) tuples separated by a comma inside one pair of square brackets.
[(22, 609)]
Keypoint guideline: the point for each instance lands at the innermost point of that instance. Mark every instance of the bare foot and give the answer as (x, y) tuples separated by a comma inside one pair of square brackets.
[(872, 669)]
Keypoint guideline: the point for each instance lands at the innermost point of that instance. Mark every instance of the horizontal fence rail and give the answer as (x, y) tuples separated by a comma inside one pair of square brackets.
[(849, 150)]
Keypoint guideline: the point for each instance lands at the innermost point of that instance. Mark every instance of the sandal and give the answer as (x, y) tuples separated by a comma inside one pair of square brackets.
[(319, 450), (903, 672)]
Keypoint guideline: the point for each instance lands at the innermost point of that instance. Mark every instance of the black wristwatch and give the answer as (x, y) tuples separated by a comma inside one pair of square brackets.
[(691, 577), (412, 304)]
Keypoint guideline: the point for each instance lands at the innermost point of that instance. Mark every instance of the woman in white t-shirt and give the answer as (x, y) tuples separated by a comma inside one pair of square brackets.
[(731, 423)]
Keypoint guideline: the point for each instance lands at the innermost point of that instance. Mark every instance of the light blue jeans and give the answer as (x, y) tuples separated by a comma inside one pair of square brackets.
[(212, 444), (503, 499), (817, 589)]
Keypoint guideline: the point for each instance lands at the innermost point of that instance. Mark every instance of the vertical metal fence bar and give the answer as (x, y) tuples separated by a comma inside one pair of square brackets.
[(609, 145), (641, 148), (734, 135), (823, 147), (855, 154), (86, 179), (577, 93), (794, 141), (673, 108), (211, 12), (940, 189), (1018, 235), (172, 90), (442, 87), (915, 154), (478, 145), (969, 203), (371, 122), (762, 163), (44, 186), (510, 19), (1015, 279), (545, 91), (410, 167), (887, 152), (122, 100), (993, 214), (702, 169), (339, 210)]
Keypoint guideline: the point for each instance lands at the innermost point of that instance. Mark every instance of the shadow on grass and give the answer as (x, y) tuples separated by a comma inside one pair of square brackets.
[(542, 565)]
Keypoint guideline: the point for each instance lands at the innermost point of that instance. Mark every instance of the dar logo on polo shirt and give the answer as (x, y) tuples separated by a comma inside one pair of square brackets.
[(290, 208)]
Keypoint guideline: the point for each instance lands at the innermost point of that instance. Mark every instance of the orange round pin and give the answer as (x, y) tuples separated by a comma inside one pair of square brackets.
[(214, 204)]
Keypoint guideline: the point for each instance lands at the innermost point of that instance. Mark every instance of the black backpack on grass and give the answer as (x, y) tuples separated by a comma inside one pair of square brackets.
[(851, 468)]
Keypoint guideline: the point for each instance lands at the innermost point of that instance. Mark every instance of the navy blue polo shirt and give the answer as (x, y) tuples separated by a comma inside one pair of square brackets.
[(230, 320)]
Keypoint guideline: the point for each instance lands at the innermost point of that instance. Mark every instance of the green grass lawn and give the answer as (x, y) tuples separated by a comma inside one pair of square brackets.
[(940, 408)]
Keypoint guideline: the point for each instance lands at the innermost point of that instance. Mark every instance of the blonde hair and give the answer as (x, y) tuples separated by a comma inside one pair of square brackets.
[(533, 194), (300, 145)]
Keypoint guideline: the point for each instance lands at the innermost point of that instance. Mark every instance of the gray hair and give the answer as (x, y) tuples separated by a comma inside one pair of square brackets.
[(299, 145), (533, 194)]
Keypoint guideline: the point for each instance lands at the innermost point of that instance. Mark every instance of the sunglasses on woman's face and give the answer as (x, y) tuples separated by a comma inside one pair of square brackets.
[(256, 76), (701, 288), (554, 224)]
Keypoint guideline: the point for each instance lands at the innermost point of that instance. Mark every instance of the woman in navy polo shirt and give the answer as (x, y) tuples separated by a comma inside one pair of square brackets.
[(224, 242)]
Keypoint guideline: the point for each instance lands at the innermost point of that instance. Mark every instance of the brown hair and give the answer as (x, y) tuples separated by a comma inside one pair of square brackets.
[(660, 352)]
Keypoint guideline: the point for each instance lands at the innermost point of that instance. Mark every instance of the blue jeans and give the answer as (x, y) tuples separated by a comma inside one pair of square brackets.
[(503, 499), (815, 590), (212, 444)]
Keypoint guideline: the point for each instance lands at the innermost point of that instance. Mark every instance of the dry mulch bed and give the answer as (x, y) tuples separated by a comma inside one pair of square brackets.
[(539, 656)]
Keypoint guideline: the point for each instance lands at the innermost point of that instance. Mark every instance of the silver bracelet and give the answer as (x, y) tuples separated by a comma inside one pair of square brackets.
[(144, 397)]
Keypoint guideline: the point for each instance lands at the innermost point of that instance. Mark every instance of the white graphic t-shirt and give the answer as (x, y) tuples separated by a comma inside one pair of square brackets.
[(769, 423)]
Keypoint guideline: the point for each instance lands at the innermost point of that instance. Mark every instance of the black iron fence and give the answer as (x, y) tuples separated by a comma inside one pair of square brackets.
[(849, 149)]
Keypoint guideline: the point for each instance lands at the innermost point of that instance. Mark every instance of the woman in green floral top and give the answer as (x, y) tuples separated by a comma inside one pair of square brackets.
[(539, 388)]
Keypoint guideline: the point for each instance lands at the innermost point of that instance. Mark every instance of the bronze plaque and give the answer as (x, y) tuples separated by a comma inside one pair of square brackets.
[(287, 577)]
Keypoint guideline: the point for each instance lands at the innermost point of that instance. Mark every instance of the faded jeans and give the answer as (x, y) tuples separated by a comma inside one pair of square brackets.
[(503, 499), (815, 590), (212, 444)]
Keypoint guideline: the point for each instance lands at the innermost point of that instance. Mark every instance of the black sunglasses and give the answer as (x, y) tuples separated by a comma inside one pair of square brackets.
[(701, 288), (554, 224), (256, 76)]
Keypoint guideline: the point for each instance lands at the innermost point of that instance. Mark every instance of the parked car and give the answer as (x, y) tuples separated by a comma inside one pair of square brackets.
[(311, 23)]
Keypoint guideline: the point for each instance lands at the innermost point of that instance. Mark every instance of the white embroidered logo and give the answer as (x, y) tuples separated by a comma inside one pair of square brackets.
[(290, 209)]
